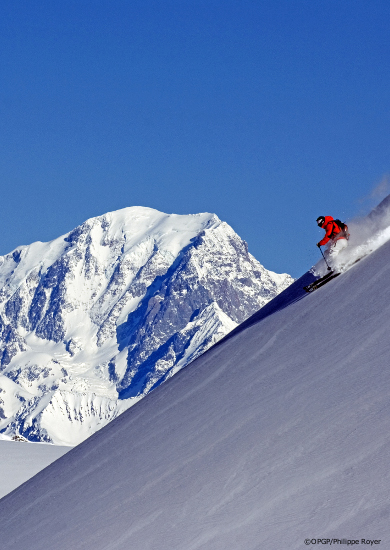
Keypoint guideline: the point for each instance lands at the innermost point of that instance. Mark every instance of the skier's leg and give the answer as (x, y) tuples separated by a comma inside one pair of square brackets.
[(334, 250)]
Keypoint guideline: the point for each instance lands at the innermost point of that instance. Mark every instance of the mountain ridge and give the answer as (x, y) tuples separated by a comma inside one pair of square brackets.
[(94, 320)]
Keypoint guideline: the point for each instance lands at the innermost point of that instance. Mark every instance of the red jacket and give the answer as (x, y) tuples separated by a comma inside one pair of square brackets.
[(332, 231)]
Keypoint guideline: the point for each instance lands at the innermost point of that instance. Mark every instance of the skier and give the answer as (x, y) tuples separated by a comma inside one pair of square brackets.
[(336, 233)]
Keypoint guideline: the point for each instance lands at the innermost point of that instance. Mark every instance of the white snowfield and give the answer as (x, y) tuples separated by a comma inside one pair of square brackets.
[(19, 461), (94, 320), (277, 434)]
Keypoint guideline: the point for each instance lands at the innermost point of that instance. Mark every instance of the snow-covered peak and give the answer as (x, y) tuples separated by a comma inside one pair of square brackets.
[(94, 320), (133, 225), (128, 228)]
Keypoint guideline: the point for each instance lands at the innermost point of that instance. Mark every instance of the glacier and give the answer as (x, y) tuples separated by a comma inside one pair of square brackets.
[(94, 320)]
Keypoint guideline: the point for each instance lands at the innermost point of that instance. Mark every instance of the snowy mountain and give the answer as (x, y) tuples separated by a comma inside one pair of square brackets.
[(94, 320), (276, 435)]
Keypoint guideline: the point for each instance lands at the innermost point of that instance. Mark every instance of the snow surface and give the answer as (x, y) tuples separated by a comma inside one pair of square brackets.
[(278, 433), (20, 461)]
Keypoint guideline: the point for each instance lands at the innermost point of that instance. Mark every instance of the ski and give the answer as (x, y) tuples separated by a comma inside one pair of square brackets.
[(322, 281)]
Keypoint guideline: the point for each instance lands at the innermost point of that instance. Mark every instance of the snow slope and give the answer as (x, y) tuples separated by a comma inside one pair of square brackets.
[(94, 320), (278, 433), (21, 461)]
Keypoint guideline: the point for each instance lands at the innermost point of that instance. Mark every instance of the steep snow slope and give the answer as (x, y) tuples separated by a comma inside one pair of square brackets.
[(94, 320), (276, 434), (20, 461)]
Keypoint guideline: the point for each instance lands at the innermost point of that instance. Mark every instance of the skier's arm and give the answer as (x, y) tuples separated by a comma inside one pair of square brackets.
[(328, 233)]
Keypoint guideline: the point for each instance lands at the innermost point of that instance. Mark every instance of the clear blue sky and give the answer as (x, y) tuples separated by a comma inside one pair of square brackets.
[(266, 112)]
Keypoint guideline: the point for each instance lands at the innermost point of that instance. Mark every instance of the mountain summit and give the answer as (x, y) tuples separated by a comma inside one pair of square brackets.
[(94, 320)]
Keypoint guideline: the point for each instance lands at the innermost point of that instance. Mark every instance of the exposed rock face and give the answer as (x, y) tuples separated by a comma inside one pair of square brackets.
[(10, 343), (94, 320)]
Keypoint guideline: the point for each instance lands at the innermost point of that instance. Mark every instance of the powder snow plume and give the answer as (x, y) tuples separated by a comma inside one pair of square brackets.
[(366, 235)]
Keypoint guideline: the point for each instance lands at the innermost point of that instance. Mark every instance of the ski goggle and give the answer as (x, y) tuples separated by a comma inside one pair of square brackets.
[(320, 222)]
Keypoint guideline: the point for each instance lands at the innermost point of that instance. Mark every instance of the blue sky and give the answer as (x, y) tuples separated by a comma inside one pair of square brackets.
[(268, 113)]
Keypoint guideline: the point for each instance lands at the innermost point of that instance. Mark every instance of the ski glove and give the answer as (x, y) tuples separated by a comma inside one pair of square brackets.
[(318, 244)]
